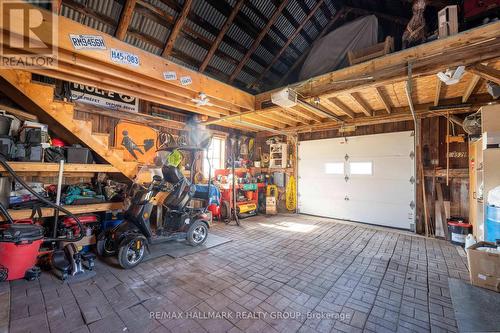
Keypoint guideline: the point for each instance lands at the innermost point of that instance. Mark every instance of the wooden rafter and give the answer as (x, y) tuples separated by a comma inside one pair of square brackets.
[(486, 72), (400, 114), (341, 107), (317, 109), (302, 112), (221, 35), (259, 38), (262, 121), (290, 40), (340, 13), (125, 18), (356, 97), (286, 115), (466, 48), (96, 68), (470, 88), (396, 19), (86, 10), (56, 6), (179, 22), (437, 93), (384, 100), (280, 118)]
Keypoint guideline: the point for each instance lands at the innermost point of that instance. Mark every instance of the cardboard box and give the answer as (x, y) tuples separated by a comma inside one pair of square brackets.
[(271, 206), (484, 267)]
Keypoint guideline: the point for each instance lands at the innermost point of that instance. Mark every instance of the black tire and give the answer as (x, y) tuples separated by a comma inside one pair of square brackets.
[(126, 257), (106, 246), (197, 233), (225, 211)]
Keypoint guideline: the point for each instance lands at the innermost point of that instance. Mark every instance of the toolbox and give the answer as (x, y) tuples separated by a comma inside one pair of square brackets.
[(78, 154)]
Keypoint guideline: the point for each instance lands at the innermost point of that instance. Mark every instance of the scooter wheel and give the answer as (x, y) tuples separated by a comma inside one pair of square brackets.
[(197, 233), (225, 212), (106, 246), (131, 253)]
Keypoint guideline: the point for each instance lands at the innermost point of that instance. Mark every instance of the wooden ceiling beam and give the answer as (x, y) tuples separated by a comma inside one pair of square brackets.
[(291, 117), (263, 121), (317, 109), (279, 119), (340, 13), (466, 48), (290, 40), (383, 99), (258, 39), (356, 97), (486, 72), (302, 112), (221, 35), (400, 114), (437, 92), (56, 6), (165, 19), (396, 19), (258, 122), (246, 23), (302, 4), (470, 88), (147, 94), (88, 12), (179, 23), (264, 18), (341, 107), (125, 18), (293, 21), (150, 68)]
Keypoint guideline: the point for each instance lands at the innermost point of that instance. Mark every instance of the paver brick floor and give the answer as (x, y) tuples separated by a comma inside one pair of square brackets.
[(287, 273)]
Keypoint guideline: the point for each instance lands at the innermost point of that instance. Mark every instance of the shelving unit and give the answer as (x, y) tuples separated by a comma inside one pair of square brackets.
[(483, 169), (76, 209), (278, 155), (54, 167)]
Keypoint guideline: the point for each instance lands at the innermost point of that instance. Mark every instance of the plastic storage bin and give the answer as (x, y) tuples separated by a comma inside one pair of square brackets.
[(492, 226)]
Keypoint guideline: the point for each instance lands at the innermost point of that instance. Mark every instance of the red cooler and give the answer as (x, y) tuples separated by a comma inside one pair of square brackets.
[(19, 246)]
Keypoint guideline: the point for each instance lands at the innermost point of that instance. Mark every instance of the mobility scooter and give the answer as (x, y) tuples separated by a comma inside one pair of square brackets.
[(130, 239)]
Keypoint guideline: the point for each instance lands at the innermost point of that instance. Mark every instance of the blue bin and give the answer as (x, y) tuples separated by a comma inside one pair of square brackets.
[(492, 227), (108, 224)]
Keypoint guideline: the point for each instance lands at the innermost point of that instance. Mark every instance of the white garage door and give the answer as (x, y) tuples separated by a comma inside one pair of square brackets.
[(364, 178)]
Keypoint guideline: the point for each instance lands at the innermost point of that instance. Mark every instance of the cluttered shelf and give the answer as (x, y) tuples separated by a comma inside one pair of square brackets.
[(54, 167), (18, 214)]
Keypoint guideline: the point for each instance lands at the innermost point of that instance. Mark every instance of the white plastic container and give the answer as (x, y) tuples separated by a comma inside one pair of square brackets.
[(470, 240)]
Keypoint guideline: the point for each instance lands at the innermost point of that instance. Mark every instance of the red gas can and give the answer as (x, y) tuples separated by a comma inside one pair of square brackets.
[(19, 246)]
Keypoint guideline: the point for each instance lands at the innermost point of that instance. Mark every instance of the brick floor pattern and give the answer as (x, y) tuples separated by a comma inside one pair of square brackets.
[(340, 277)]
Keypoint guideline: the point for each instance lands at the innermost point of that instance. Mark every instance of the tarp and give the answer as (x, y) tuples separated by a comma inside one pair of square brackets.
[(330, 52)]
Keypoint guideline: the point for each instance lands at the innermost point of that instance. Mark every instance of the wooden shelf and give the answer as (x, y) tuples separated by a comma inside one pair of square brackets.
[(76, 209), (453, 173), (54, 167)]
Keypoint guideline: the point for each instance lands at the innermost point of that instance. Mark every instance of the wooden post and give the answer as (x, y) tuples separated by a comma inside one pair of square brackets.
[(125, 18)]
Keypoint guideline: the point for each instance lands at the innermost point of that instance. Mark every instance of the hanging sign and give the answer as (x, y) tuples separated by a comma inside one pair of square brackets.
[(170, 76), (87, 42), (186, 80), (124, 58), (103, 98)]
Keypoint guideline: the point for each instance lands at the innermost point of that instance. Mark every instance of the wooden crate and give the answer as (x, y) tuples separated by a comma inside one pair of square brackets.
[(372, 52), (448, 21)]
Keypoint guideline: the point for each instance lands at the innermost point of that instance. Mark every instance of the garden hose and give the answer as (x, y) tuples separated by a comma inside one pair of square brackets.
[(7, 167), (291, 197)]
